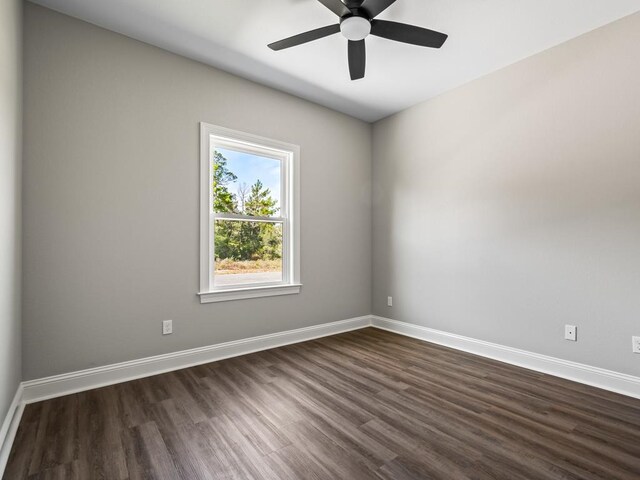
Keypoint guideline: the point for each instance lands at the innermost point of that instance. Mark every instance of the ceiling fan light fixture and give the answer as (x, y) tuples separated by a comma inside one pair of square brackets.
[(355, 28)]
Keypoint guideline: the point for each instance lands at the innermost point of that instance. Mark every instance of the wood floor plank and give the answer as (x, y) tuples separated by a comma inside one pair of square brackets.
[(363, 405)]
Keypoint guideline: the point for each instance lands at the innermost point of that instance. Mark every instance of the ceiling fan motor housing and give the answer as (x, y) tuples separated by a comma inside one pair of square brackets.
[(355, 28)]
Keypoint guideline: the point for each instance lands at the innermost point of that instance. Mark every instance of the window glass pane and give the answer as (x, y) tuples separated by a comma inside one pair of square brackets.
[(247, 252), (245, 184)]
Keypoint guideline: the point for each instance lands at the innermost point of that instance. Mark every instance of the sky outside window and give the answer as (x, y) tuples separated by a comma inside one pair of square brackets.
[(249, 168)]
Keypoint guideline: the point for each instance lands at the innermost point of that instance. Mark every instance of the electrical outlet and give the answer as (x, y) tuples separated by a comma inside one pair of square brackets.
[(636, 344), (570, 332), (389, 301), (167, 327)]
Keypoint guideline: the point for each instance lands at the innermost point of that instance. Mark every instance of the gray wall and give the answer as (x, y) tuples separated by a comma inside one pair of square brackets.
[(511, 206), (10, 146), (502, 210), (111, 200)]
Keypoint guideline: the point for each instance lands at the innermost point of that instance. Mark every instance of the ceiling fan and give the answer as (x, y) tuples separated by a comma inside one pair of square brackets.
[(357, 21)]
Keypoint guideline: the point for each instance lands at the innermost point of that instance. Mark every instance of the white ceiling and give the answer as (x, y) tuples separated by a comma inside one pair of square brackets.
[(484, 35)]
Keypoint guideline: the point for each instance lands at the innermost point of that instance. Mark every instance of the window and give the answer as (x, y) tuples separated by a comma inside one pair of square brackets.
[(249, 220)]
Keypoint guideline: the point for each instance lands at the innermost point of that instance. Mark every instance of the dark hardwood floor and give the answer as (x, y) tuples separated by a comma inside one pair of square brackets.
[(361, 405)]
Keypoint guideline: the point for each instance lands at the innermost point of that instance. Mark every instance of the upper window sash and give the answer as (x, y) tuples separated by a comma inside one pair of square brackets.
[(285, 158)]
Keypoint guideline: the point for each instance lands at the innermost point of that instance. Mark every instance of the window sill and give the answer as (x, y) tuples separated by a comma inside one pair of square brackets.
[(250, 292)]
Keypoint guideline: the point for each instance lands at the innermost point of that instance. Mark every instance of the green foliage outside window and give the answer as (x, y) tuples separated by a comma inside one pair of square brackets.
[(243, 240)]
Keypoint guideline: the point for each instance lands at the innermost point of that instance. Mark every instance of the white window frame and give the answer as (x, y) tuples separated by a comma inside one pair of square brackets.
[(212, 136)]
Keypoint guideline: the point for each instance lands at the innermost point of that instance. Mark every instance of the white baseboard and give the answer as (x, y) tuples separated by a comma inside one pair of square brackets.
[(65, 384), (10, 427), (577, 372)]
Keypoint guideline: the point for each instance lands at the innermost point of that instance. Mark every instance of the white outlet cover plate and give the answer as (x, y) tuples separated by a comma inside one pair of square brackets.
[(570, 332), (167, 327), (636, 344)]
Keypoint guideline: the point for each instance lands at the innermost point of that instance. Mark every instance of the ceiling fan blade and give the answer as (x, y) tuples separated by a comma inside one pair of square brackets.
[(305, 37), (401, 32), (357, 59), (336, 6), (376, 7)]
